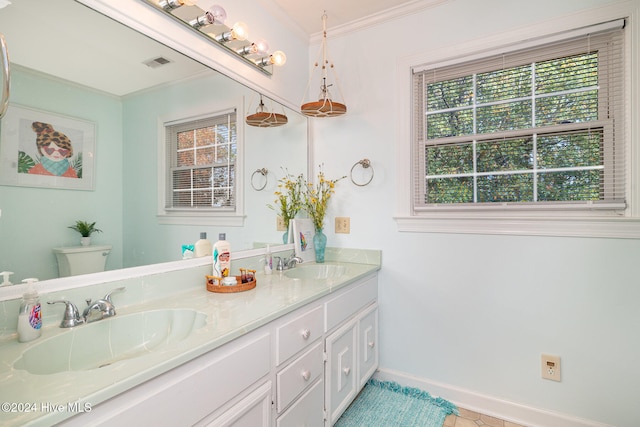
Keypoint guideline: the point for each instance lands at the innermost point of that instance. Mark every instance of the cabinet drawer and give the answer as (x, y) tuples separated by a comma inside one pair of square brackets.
[(252, 411), (296, 334), (308, 411), (298, 375), (346, 305)]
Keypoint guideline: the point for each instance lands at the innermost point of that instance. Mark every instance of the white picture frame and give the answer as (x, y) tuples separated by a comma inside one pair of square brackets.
[(303, 232), (18, 141)]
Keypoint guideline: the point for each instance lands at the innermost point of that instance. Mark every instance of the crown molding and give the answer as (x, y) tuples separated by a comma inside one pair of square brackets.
[(379, 17)]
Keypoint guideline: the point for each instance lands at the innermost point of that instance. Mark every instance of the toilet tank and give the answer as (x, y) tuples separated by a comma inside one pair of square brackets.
[(74, 260)]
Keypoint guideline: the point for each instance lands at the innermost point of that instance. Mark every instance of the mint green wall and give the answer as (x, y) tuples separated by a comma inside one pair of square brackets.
[(145, 240), (34, 220)]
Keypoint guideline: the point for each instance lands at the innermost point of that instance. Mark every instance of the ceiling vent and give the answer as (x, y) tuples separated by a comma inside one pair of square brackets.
[(156, 62)]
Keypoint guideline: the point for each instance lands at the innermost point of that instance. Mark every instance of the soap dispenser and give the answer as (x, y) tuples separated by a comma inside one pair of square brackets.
[(30, 314), (6, 275)]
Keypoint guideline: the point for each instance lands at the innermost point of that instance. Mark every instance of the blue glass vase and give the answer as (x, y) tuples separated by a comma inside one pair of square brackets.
[(319, 244), (285, 236)]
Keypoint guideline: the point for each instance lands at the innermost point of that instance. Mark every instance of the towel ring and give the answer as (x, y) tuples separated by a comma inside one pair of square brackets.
[(264, 172), (366, 164)]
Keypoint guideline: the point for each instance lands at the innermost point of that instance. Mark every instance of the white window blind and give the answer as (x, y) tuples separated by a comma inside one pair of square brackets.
[(535, 127), (201, 163)]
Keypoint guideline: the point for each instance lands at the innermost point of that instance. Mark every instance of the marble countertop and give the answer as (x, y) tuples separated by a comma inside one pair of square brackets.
[(33, 399)]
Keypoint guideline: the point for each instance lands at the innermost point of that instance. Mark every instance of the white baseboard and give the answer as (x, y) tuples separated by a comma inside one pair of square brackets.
[(488, 405)]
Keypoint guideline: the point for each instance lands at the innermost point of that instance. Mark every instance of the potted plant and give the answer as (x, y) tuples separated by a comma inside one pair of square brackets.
[(86, 229)]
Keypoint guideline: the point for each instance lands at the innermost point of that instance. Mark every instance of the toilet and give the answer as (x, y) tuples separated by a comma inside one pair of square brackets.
[(76, 260)]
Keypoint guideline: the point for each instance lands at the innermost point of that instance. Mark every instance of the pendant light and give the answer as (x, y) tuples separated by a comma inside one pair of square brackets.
[(265, 119), (325, 106)]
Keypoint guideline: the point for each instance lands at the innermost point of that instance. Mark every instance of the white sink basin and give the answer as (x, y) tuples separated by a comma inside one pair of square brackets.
[(316, 271), (104, 342)]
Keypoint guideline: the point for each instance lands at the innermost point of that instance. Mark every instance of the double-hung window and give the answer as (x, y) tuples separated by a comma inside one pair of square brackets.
[(541, 127), (201, 158)]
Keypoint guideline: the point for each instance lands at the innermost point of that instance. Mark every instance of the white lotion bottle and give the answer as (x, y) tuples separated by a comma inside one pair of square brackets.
[(221, 257), (30, 314), (203, 247)]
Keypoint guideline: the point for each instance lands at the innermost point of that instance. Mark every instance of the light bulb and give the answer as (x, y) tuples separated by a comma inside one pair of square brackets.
[(217, 14), (278, 58), (260, 47), (239, 31)]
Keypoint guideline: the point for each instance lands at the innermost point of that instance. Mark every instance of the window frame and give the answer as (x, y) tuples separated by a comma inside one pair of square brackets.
[(525, 219), (224, 216)]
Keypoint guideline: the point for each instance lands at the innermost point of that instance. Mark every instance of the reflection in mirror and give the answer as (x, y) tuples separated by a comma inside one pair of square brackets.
[(72, 64)]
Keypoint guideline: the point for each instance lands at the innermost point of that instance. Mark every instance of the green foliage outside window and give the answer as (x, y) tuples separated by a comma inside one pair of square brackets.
[(544, 165)]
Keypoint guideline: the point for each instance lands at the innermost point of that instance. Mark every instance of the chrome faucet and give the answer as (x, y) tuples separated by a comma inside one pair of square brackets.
[(285, 264), (71, 316), (100, 309), (292, 261)]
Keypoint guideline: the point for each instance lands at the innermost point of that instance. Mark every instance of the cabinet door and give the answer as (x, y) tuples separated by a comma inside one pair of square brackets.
[(368, 344), (341, 375), (308, 411), (252, 411)]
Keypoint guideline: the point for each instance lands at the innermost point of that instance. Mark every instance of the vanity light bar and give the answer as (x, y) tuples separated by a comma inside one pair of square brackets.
[(211, 24)]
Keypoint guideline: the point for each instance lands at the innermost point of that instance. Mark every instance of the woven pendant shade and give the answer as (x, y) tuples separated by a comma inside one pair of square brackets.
[(325, 106), (265, 119)]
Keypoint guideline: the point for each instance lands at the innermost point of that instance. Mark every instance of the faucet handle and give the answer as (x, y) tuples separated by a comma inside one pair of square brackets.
[(108, 296), (280, 265), (71, 316)]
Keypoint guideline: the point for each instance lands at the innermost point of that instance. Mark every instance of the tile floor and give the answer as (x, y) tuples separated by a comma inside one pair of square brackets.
[(475, 419)]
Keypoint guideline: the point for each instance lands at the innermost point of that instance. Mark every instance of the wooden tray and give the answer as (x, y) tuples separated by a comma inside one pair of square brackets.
[(212, 285)]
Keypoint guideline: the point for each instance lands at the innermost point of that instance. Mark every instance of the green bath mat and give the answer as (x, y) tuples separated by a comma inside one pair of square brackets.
[(388, 404)]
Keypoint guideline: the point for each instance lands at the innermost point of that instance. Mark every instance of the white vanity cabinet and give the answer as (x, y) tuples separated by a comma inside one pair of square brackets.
[(301, 369), (352, 349), (205, 388)]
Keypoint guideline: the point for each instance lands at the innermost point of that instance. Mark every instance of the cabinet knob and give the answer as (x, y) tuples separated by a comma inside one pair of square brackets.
[(347, 371), (306, 375), (372, 344), (306, 334)]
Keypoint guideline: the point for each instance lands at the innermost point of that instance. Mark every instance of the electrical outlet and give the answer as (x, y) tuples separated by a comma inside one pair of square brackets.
[(280, 224), (343, 224), (550, 367)]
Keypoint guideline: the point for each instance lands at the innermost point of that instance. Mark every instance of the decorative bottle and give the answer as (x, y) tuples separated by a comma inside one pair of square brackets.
[(202, 246), (30, 314), (221, 257)]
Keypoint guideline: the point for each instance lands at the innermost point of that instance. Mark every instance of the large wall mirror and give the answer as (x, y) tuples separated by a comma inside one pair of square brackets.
[(70, 61)]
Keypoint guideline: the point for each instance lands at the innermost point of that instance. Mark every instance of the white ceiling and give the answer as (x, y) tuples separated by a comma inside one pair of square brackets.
[(307, 14)]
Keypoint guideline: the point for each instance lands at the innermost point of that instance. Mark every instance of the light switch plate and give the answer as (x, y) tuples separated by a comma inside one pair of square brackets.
[(343, 224)]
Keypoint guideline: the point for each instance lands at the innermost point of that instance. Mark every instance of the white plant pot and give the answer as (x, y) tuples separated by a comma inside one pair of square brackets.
[(85, 241)]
